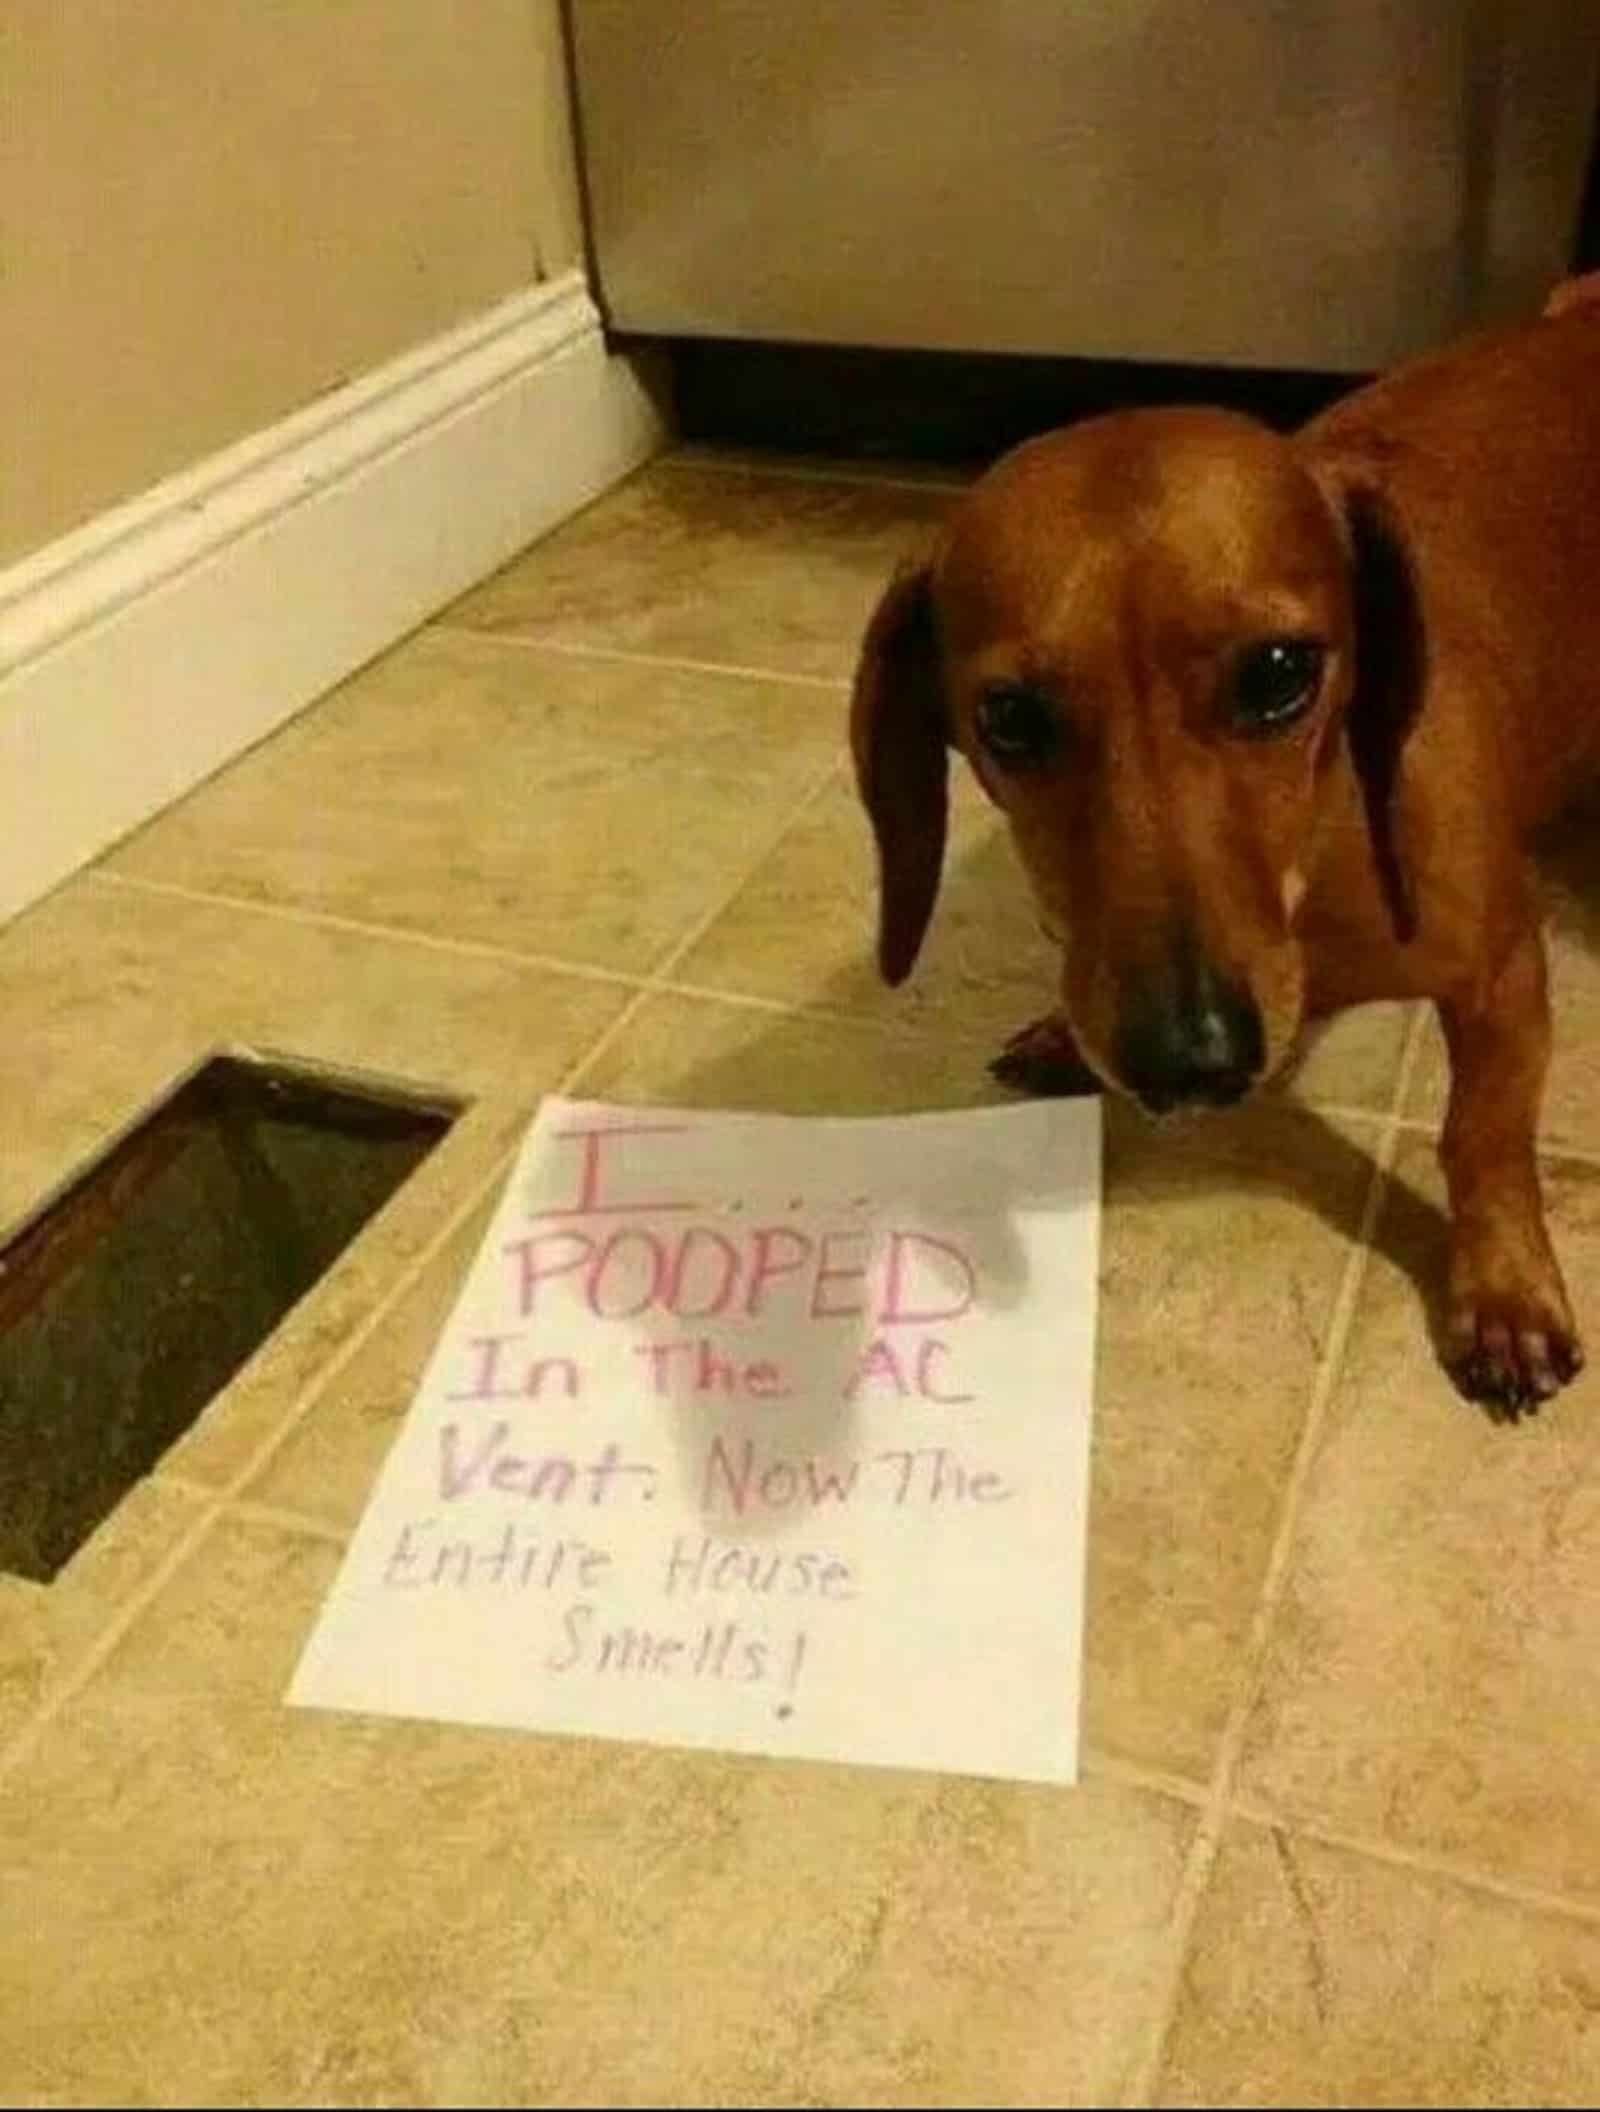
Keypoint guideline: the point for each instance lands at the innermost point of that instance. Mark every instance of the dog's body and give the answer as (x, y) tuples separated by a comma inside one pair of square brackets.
[(1272, 721)]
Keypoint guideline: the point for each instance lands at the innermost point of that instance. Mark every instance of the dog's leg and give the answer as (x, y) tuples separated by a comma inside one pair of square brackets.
[(1043, 1062), (1510, 1339)]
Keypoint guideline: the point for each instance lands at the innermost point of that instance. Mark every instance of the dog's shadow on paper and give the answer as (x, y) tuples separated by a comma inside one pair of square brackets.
[(1275, 1147), (843, 1052)]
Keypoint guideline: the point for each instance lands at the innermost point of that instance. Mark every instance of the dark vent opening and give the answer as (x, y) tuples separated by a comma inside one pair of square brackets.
[(129, 1302)]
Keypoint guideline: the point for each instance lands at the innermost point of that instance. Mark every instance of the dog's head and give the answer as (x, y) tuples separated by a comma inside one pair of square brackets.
[(1151, 636)]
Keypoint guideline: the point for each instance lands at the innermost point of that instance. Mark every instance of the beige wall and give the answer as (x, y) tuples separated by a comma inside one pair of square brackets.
[(213, 210)]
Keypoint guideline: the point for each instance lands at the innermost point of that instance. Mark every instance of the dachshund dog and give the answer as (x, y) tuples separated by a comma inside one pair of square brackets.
[(1272, 721)]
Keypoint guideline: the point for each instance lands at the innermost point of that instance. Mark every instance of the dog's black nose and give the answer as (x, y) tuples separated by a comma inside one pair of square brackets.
[(1200, 1040)]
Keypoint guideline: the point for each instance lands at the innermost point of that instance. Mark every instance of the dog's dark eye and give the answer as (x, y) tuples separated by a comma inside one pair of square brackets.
[(1274, 683), (1017, 726)]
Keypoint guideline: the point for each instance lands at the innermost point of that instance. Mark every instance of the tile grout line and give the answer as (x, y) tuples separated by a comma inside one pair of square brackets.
[(1101, 1766), (663, 984), (361, 928), (675, 663), (1550, 1150), (1208, 1838), (247, 1507), (1422, 1862), (39, 1719)]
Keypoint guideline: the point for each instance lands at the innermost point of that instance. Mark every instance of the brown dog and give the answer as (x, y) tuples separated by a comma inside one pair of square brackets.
[(1271, 721)]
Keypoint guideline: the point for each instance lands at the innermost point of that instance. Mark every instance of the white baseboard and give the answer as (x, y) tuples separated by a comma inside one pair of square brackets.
[(144, 651)]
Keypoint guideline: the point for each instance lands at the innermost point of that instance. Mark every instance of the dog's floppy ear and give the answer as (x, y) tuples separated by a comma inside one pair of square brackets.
[(1390, 673), (897, 736)]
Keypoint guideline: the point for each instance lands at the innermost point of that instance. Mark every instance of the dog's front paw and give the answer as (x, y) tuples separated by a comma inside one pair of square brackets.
[(1510, 1344), (1043, 1061)]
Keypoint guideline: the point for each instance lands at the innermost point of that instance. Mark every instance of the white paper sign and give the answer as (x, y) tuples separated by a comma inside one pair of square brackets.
[(756, 1433)]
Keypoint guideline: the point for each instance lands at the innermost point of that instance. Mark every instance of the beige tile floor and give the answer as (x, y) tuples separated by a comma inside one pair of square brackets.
[(1339, 1837)]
